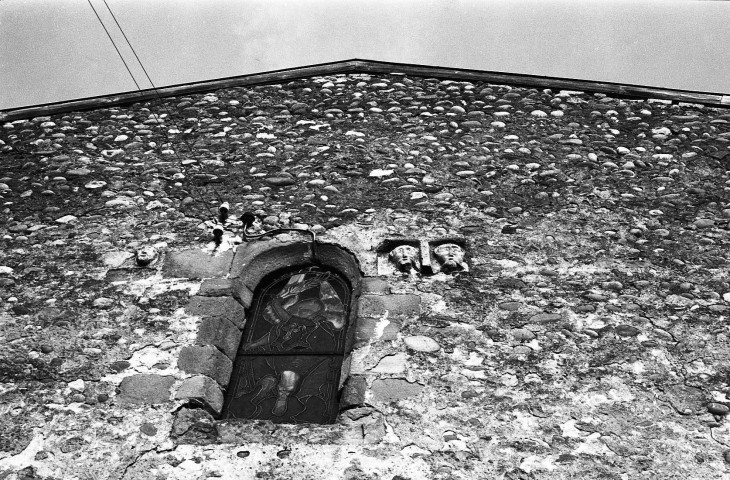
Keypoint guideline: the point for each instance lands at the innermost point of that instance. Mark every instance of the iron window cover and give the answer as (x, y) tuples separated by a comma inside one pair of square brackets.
[(289, 363)]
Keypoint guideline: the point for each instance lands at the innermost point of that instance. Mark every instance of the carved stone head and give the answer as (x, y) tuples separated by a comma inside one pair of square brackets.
[(145, 255), (405, 258), (450, 256)]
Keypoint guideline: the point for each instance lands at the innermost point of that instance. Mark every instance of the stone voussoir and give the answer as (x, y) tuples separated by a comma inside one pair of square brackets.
[(202, 390), (241, 292), (254, 261), (208, 361), (216, 287), (219, 332), (225, 307)]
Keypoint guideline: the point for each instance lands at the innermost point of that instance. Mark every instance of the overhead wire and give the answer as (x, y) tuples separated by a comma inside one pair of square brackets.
[(149, 79), (157, 93), (114, 44)]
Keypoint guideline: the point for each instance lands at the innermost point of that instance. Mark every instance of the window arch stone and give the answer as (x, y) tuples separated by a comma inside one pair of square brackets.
[(220, 333)]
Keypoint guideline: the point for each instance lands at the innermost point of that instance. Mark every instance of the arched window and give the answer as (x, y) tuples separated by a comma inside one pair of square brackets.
[(289, 363)]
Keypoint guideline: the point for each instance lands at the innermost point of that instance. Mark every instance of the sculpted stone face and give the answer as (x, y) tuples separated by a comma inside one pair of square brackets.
[(451, 257), (145, 255), (405, 258)]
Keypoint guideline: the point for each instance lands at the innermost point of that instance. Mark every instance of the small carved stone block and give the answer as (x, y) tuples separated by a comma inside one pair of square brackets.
[(450, 257), (405, 258), (145, 256)]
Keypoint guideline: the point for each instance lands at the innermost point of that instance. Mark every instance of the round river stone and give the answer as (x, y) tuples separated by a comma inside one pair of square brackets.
[(422, 344)]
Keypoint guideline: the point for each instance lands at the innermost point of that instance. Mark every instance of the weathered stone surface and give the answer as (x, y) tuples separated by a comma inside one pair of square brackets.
[(599, 228), (196, 264), (422, 343), (216, 287), (353, 392), (194, 426), (281, 180), (393, 389), (116, 259), (522, 335), (510, 306), (718, 408), (365, 425), (221, 333), (627, 331), (127, 274), (241, 292), (202, 390), (395, 363), (686, 400), (207, 361), (148, 429), (255, 260), (52, 314), (224, 307), (509, 283), (395, 305), (145, 389), (545, 318), (374, 285), (370, 329)]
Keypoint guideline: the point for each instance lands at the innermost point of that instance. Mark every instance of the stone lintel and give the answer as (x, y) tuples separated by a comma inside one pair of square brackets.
[(195, 263)]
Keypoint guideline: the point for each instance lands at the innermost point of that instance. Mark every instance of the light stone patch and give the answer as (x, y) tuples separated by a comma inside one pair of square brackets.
[(26, 458), (391, 364), (569, 430), (509, 380), (360, 360), (593, 446), (116, 259), (422, 343), (535, 463), (474, 374)]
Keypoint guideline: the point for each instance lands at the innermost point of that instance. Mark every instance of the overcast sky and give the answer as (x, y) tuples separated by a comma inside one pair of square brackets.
[(54, 50)]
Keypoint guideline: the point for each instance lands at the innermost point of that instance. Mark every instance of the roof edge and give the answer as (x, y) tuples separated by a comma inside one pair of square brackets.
[(368, 66)]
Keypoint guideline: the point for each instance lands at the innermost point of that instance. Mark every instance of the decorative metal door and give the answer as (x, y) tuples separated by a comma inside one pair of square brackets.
[(288, 365)]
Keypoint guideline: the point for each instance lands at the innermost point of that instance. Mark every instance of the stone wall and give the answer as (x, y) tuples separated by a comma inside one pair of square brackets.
[(587, 338)]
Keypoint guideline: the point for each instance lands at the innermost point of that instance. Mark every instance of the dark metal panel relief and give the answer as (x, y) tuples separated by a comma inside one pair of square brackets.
[(289, 362), (285, 389)]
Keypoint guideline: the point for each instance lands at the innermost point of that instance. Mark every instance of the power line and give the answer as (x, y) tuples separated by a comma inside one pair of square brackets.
[(132, 48), (157, 93), (115, 45)]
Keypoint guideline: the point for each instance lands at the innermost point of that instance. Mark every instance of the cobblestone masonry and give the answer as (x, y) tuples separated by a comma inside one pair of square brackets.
[(588, 339)]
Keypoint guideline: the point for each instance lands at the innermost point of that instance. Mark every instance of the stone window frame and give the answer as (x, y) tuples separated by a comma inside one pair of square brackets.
[(211, 358)]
